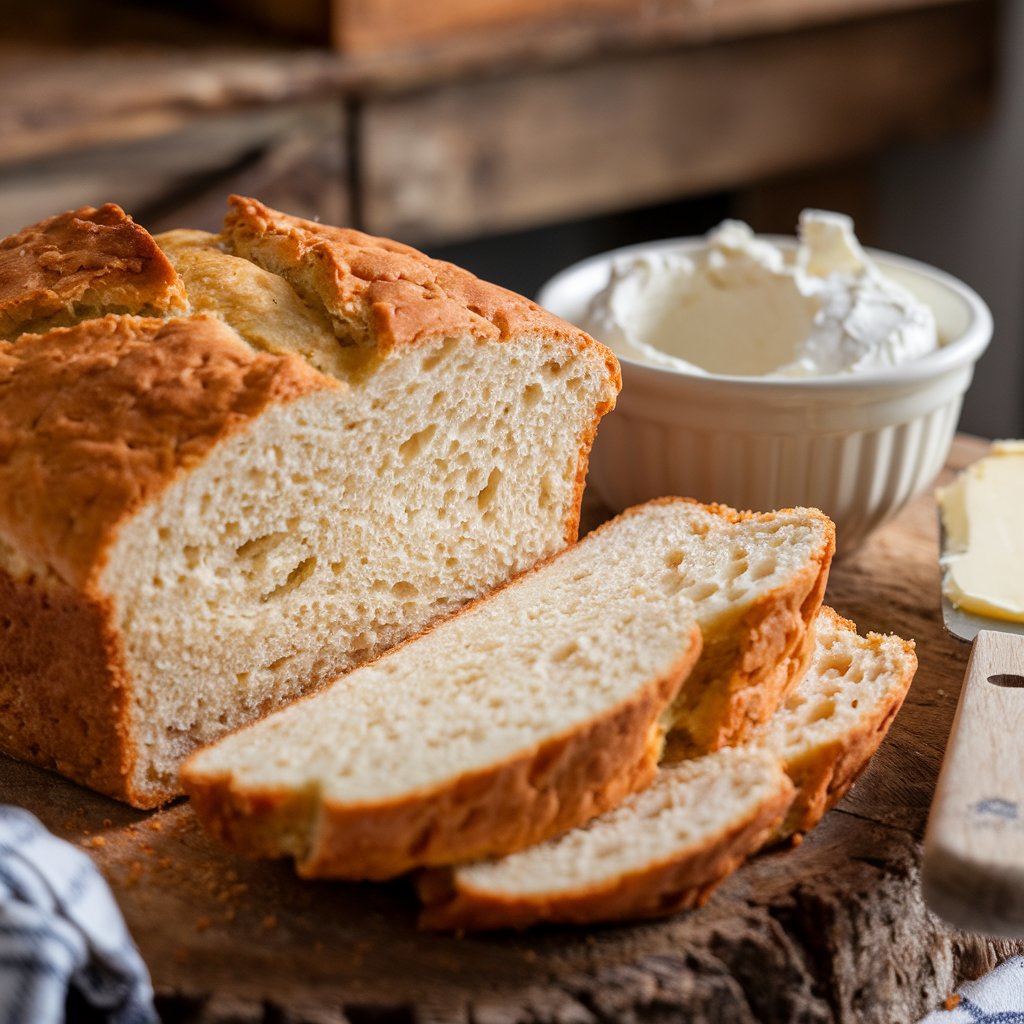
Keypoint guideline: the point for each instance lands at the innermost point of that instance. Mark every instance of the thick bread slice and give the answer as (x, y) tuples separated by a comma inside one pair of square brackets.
[(664, 849), (518, 718), (314, 443), (757, 581), (833, 722)]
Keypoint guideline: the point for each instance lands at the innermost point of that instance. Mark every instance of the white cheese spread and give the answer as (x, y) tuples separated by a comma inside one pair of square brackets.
[(743, 305), (983, 553)]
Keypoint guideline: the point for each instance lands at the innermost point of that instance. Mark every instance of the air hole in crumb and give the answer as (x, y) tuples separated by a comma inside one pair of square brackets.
[(490, 489), (824, 709), (702, 591), (296, 578), (674, 558), (532, 394), (415, 444)]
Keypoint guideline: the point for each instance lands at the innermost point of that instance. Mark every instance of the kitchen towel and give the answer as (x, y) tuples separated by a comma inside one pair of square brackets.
[(996, 998), (60, 930)]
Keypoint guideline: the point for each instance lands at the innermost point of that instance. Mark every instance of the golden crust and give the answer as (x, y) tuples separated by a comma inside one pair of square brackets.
[(661, 888), (558, 785), (62, 684), (826, 774), (97, 419), (385, 293), (83, 262)]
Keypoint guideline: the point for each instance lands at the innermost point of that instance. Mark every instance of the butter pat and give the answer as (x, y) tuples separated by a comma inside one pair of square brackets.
[(983, 558)]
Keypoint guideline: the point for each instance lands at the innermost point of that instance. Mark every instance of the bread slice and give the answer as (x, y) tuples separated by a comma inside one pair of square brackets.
[(750, 579), (666, 848), (515, 719), (312, 444), (830, 726), (662, 850), (757, 580)]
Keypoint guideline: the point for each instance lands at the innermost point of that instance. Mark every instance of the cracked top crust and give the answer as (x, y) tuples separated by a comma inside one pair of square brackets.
[(382, 292), (97, 418), (83, 263)]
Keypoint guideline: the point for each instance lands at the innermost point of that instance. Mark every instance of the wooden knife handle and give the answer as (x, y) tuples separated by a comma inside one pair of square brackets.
[(973, 871)]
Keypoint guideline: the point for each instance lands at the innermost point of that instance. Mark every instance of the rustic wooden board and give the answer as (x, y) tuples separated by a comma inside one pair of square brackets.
[(832, 931)]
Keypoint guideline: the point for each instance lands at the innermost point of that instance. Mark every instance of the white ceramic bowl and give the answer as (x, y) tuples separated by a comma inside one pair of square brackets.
[(858, 446)]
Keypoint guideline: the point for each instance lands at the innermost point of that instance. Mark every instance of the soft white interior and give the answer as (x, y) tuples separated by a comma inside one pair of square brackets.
[(337, 524), (722, 567), (848, 677), (540, 658), (662, 560), (690, 806)]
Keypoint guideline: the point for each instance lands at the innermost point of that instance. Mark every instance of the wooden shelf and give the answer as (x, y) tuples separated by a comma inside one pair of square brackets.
[(448, 135)]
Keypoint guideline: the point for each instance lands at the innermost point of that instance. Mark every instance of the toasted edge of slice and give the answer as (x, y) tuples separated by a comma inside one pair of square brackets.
[(676, 864)]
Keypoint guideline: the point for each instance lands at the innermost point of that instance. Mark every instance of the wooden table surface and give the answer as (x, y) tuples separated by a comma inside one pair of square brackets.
[(834, 930)]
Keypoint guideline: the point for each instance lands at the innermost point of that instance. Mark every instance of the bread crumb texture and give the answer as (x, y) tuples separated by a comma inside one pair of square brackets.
[(311, 444), (521, 716)]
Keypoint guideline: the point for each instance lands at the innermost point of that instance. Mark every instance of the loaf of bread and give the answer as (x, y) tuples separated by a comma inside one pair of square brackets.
[(626, 586), (666, 848), (233, 467), (515, 719)]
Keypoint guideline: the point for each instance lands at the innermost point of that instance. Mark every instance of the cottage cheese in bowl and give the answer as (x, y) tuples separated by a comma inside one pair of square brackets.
[(746, 306)]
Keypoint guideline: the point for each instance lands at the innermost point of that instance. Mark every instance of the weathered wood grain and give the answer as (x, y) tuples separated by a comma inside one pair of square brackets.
[(393, 26), (293, 156), (509, 151), (832, 931)]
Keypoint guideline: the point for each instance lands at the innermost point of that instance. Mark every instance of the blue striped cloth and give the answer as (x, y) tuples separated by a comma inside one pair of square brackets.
[(61, 932), (996, 998)]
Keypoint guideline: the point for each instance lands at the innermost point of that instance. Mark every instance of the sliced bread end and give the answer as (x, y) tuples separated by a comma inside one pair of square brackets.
[(830, 726)]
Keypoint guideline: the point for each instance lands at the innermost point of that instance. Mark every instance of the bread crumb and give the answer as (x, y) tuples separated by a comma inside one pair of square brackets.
[(952, 1002), (155, 825), (95, 842), (796, 839)]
